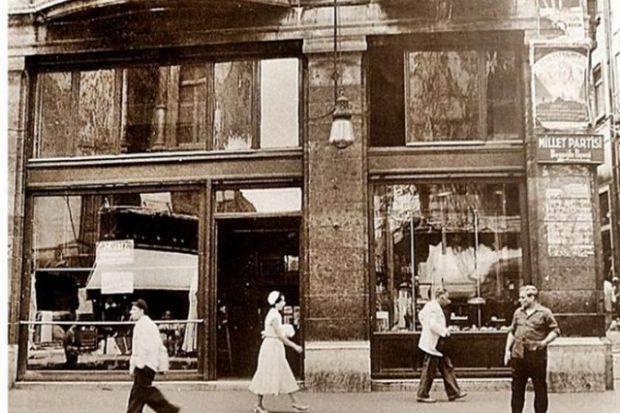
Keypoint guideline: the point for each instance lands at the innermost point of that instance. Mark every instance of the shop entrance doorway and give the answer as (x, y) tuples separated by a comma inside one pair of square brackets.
[(255, 256)]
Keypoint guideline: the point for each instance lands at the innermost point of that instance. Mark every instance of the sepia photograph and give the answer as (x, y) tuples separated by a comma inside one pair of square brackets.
[(330, 206)]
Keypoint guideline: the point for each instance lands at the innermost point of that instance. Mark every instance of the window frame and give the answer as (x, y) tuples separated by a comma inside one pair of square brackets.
[(119, 62), (480, 42)]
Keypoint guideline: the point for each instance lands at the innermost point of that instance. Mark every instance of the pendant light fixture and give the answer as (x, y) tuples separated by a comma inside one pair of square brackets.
[(341, 134)]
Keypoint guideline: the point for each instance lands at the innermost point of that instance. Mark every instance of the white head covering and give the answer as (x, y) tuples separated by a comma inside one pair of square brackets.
[(273, 297)]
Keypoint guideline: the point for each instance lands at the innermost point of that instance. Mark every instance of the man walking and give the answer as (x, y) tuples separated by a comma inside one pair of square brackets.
[(434, 327), (533, 328), (144, 363)]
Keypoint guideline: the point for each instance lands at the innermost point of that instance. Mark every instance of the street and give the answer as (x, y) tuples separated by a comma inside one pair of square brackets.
[(71, 398)]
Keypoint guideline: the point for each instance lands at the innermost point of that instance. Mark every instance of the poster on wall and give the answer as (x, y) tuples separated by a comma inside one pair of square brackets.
[(568, 220), (564, 17), (560, 88)]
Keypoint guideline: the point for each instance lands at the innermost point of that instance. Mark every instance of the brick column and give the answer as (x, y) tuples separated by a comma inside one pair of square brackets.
[(17, 94), (336, 238)]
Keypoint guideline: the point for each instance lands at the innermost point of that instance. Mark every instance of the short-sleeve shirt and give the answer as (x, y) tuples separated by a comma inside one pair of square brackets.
[(528, 329)]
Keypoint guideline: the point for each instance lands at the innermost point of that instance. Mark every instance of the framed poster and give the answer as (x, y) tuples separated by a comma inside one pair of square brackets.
[(559, 83)]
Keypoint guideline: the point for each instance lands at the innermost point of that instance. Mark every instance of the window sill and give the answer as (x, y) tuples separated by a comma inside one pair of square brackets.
[(157, 157)]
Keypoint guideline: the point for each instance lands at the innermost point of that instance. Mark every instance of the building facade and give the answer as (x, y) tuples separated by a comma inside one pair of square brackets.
[(181, 154), (605, 61)]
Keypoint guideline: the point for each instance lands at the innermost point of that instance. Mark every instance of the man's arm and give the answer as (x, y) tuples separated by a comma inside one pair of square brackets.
[(554, 332), (510, 340)]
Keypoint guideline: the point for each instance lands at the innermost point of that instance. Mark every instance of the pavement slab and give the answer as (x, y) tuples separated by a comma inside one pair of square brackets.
[(74, 399)]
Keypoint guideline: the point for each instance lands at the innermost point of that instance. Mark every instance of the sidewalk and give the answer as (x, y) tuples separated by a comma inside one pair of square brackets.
[(72, 398)]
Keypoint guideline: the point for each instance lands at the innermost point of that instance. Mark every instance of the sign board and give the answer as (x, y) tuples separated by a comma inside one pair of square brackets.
[(569, 220), (565, 17), (570, 148), (117, 282), (559, 87), (115, 252)]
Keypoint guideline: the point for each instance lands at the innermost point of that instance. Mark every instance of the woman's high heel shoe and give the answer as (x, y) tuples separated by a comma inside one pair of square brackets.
[(259, 409), (300, 407)]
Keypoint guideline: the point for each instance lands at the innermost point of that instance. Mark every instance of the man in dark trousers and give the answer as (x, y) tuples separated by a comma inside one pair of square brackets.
[(434, 327), (145, 362), (533, 328)]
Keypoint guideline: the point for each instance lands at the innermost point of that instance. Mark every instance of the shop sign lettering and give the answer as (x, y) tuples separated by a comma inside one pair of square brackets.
[(566, 18), (115, 252), (570, 149)]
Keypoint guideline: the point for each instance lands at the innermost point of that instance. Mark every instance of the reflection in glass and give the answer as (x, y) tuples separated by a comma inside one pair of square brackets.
[(443, 96), (463, 237), (234, 105), (258, 200), (279, 113), (93, 255)]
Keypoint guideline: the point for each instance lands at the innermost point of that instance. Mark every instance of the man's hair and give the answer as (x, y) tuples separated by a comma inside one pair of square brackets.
[(529, 290), (141, 304), (440, 291)]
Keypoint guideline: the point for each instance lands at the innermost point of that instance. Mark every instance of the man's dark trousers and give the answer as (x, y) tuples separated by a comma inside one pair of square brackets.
[(143, 393), (534, 365), (429, 367)]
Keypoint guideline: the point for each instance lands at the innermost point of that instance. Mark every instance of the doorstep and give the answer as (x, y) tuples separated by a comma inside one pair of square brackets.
[(468, 385)]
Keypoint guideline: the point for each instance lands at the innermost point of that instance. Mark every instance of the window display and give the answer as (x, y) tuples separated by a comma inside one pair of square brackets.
[(95, 254), (221, 106), (465, 237)]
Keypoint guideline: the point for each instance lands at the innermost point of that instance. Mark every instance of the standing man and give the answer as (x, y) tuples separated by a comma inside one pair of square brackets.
[(434, 327), (144, 362), (533, 328), (609, 299)]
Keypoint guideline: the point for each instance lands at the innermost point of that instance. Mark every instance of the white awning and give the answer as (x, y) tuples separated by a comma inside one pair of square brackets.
[(152, 270)]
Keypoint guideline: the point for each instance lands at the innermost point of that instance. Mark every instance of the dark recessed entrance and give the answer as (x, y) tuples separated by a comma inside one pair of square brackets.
[(255, 256)]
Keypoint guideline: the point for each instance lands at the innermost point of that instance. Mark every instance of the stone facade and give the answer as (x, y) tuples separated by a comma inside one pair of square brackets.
[(335, 243)]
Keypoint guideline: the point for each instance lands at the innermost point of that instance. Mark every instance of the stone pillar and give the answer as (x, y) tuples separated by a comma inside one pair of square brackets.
[(18, 97), (565, 246), (337, 348)]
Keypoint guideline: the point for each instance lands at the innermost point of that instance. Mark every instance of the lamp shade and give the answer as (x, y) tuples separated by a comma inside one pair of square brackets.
[(341, 134)]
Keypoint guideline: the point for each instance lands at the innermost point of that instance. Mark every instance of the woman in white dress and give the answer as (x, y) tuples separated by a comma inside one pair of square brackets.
[(273, 374)]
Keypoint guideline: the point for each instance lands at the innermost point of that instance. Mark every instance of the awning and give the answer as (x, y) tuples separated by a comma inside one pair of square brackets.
[(152, 270)]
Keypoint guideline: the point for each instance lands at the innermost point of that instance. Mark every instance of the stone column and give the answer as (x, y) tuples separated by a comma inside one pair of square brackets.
[(18, 97), (563, 217), (337, 348)]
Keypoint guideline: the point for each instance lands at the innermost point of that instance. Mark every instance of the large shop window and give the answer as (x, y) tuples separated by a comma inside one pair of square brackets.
[(423, 96), (465, 237), (93, 255), (221, 106)]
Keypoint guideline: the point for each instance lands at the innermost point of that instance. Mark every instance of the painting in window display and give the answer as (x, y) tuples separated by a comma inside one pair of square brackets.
[(455, 96), (223, 106), (93, 256), (462, 237)]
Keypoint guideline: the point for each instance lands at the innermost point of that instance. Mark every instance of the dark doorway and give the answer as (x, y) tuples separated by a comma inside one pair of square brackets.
[(255, 256)]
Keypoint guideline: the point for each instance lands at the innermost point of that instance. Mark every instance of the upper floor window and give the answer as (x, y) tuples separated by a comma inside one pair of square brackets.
[(233, 105), (440, 94), (599, 92)]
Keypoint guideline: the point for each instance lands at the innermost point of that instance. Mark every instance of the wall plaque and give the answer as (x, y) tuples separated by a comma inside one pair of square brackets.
[(570, 148)]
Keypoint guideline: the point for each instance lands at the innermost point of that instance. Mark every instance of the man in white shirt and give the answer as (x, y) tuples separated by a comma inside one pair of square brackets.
[(144, 363), (434, 327)]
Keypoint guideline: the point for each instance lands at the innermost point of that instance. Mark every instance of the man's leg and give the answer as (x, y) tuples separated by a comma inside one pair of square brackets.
[(429, 367), (155, 399), (519, 380), (138, 391), (446, 368), (539, 379)]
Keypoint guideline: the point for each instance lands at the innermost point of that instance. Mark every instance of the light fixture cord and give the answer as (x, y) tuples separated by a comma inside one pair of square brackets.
[(336, 74)]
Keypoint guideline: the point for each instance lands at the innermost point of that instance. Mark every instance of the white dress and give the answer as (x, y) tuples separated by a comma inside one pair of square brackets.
[(273, 374)]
